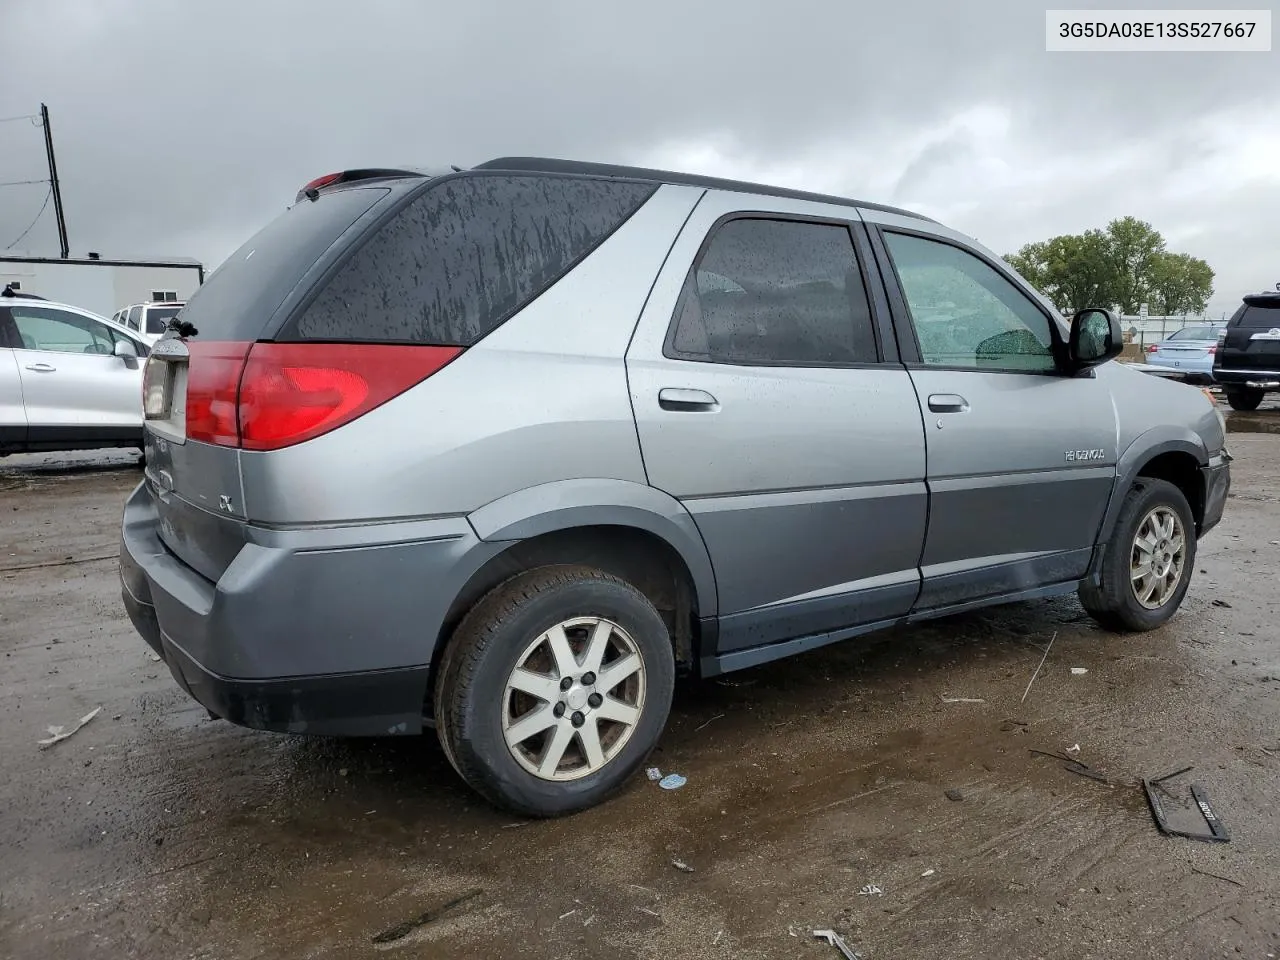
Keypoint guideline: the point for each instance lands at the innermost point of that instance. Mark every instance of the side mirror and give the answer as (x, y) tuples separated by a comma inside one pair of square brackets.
[(125, 349), (1096, 337)]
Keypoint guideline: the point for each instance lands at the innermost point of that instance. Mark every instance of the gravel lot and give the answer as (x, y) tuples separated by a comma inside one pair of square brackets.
[(156, 832)]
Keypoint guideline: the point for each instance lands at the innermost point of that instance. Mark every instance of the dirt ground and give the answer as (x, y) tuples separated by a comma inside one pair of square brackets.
[(816, 796)]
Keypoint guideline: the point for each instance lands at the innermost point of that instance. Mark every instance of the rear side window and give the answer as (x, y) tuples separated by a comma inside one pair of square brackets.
[(775, 292), (466, 255), (239, 297)]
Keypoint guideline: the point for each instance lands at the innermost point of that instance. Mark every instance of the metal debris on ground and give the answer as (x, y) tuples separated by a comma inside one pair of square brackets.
[(1079, 671), (708, 723), (682, 866), (672, 781), (1038, 666), (1217, 832), (953, 794), (58, 734), (871, 890), (1072, 765), (837, 941), (402, 930)]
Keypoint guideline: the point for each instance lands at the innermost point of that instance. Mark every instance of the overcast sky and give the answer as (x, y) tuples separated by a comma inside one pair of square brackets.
[(181, 127)]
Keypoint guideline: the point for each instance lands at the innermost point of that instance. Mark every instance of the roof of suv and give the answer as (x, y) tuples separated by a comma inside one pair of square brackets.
[(581, 168)]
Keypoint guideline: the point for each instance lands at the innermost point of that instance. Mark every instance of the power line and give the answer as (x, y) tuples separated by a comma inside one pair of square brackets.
[(21, 183), (22, 236), (34, 117)]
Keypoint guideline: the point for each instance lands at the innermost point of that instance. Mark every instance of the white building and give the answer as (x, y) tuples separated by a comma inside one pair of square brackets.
[(98, 285)]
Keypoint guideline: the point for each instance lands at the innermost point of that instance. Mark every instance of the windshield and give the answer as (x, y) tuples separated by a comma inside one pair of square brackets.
[(1196, 333), (159, 317)]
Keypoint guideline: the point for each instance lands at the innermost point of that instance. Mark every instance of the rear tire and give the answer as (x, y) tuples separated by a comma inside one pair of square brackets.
[(1147, 564), (1244, 399), (595, 706)]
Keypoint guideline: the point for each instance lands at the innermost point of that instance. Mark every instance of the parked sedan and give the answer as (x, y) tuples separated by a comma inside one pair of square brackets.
[(1188, 351), (69, 379)]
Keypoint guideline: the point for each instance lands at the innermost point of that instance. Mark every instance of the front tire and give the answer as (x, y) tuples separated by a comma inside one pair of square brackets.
[(1244, 399), (554, 690), (1147, 564)]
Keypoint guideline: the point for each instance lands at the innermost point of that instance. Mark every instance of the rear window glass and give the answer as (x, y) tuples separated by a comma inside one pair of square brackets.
[(1195, 333), (459, 260), (1251, 316), (239, 297), (158, 317)]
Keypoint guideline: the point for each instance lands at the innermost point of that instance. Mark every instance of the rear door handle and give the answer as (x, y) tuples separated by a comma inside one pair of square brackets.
[(41, 367), (687, 401), (948, 403)]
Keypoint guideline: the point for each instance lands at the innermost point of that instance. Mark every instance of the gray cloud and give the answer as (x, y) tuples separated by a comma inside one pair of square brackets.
[(183, 127)]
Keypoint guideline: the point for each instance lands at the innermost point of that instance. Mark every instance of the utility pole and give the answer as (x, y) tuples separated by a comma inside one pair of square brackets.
[(53, 182)]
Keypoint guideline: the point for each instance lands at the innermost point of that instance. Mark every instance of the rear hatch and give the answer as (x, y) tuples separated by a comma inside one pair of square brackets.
[(356, 294), (192, 376), (1252, 340)]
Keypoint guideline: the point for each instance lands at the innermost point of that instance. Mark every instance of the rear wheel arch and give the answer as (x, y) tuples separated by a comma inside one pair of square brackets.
[(633, 554)]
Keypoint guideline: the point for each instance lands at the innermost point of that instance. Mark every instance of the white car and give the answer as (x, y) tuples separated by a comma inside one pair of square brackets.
[(149, 320), (69, 379)]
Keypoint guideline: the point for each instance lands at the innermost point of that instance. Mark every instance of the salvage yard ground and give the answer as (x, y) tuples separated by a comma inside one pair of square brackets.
[(154, 832)]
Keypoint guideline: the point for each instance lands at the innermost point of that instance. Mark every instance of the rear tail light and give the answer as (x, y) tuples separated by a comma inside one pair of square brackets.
[(213, 378), (1213, 349), (264, 396), (1152, 348)]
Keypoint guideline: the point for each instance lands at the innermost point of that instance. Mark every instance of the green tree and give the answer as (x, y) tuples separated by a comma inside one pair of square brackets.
[(1125, 264), (1074, 271), (1180, 283), (1133, 246)]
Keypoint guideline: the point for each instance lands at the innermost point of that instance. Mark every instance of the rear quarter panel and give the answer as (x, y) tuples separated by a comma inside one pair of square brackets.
[(543, 398)]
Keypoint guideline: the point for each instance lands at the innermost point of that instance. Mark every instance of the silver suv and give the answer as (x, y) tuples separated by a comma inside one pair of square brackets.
[(502, 451)]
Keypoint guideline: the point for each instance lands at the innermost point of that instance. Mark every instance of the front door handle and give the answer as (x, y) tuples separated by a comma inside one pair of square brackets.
[(687, 401), (41, 367), (948, 403)]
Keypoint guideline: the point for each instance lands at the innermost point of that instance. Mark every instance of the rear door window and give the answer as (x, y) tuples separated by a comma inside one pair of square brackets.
[(464, 256), (775, 292), (134, 318)]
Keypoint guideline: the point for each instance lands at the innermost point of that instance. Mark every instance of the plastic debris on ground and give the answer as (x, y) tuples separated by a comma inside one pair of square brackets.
[(58, 734), (1079, 671), (929, 873), (672, 781), (653, 773), (871, 890), (682, 866)]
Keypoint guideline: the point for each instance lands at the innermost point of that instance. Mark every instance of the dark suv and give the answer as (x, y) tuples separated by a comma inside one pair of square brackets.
[(1247, 362)]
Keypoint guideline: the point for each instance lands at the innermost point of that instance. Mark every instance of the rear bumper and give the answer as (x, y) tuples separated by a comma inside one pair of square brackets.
[(1253, 378), (1216, 476), (319, 631)]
